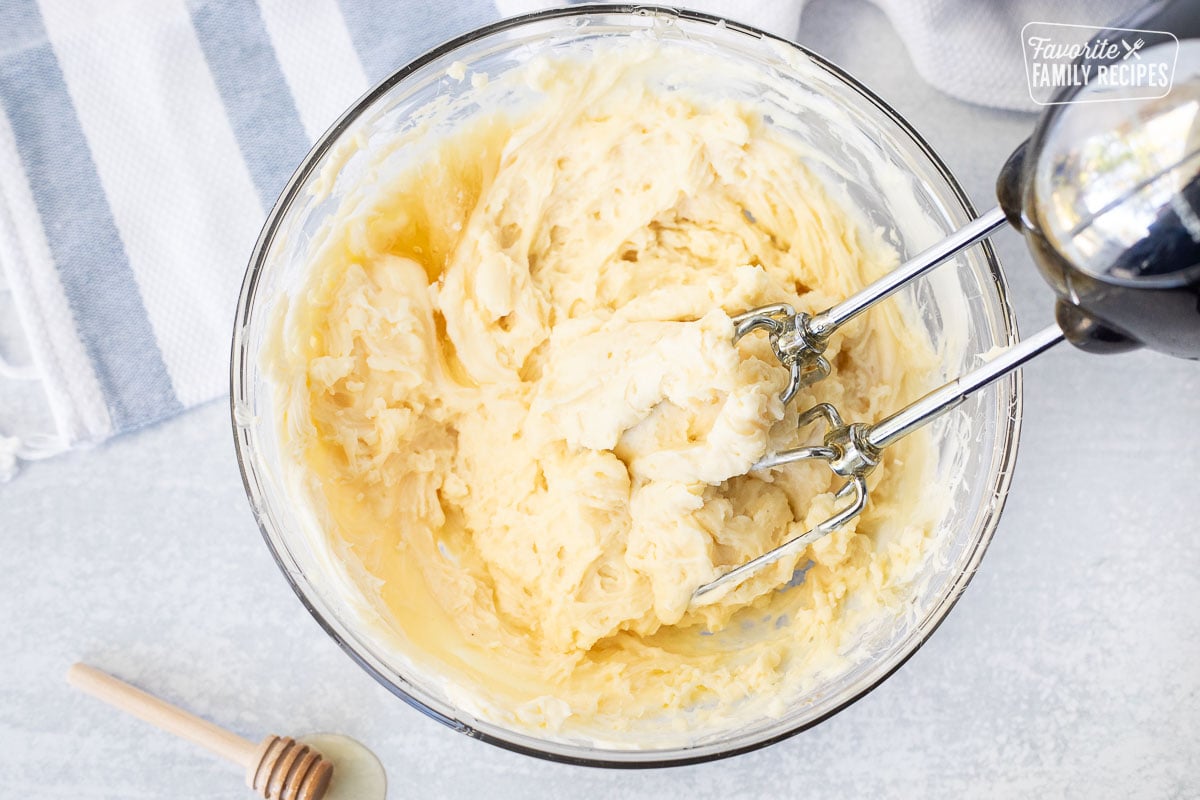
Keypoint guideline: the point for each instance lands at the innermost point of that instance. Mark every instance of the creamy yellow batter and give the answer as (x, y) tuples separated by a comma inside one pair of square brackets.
[(511, 375)]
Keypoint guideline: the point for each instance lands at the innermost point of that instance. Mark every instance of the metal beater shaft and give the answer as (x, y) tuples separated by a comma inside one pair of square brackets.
[(799, 339), (824, 324), (853, 451)]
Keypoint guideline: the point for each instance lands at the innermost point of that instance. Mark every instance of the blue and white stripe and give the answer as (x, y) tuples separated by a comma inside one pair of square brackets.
[(141, 143), (93, 268)]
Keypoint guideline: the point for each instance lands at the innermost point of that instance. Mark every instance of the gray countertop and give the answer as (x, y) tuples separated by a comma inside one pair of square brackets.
[(1071, 667)]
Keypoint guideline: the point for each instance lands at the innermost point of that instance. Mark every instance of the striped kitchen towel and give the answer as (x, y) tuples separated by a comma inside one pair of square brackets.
[(143, 141), (141, 144)]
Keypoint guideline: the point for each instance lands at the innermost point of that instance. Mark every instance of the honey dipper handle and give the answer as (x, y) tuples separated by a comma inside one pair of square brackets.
[(162, 714)]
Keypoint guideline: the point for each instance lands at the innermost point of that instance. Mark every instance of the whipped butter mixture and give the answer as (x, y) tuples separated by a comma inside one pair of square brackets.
[(510, 380)]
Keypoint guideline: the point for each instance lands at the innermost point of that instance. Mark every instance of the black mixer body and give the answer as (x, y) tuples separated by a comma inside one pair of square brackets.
[(1107, 195)]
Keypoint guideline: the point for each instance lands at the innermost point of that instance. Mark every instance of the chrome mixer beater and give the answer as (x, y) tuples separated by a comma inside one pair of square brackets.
[(1107, 196)]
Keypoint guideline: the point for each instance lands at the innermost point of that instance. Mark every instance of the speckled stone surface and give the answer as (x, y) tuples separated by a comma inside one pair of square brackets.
[(1071, 667)]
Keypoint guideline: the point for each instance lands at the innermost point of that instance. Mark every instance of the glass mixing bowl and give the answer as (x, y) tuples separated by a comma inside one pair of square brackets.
[(883, 167)]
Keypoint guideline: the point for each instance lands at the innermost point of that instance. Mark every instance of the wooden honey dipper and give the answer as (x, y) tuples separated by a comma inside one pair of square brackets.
[(278, 768)]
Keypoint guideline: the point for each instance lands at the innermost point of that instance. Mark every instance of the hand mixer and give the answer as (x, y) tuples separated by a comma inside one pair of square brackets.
[(1106, 193)]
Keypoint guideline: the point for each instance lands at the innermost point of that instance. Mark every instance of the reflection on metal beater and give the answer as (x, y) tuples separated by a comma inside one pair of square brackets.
[(791, 342)]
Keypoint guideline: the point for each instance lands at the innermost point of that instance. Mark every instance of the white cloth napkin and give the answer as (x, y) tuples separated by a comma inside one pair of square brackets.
[(143, 141)]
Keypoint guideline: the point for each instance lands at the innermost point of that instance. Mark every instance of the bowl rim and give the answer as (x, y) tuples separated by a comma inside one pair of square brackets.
[(1006, 444)]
